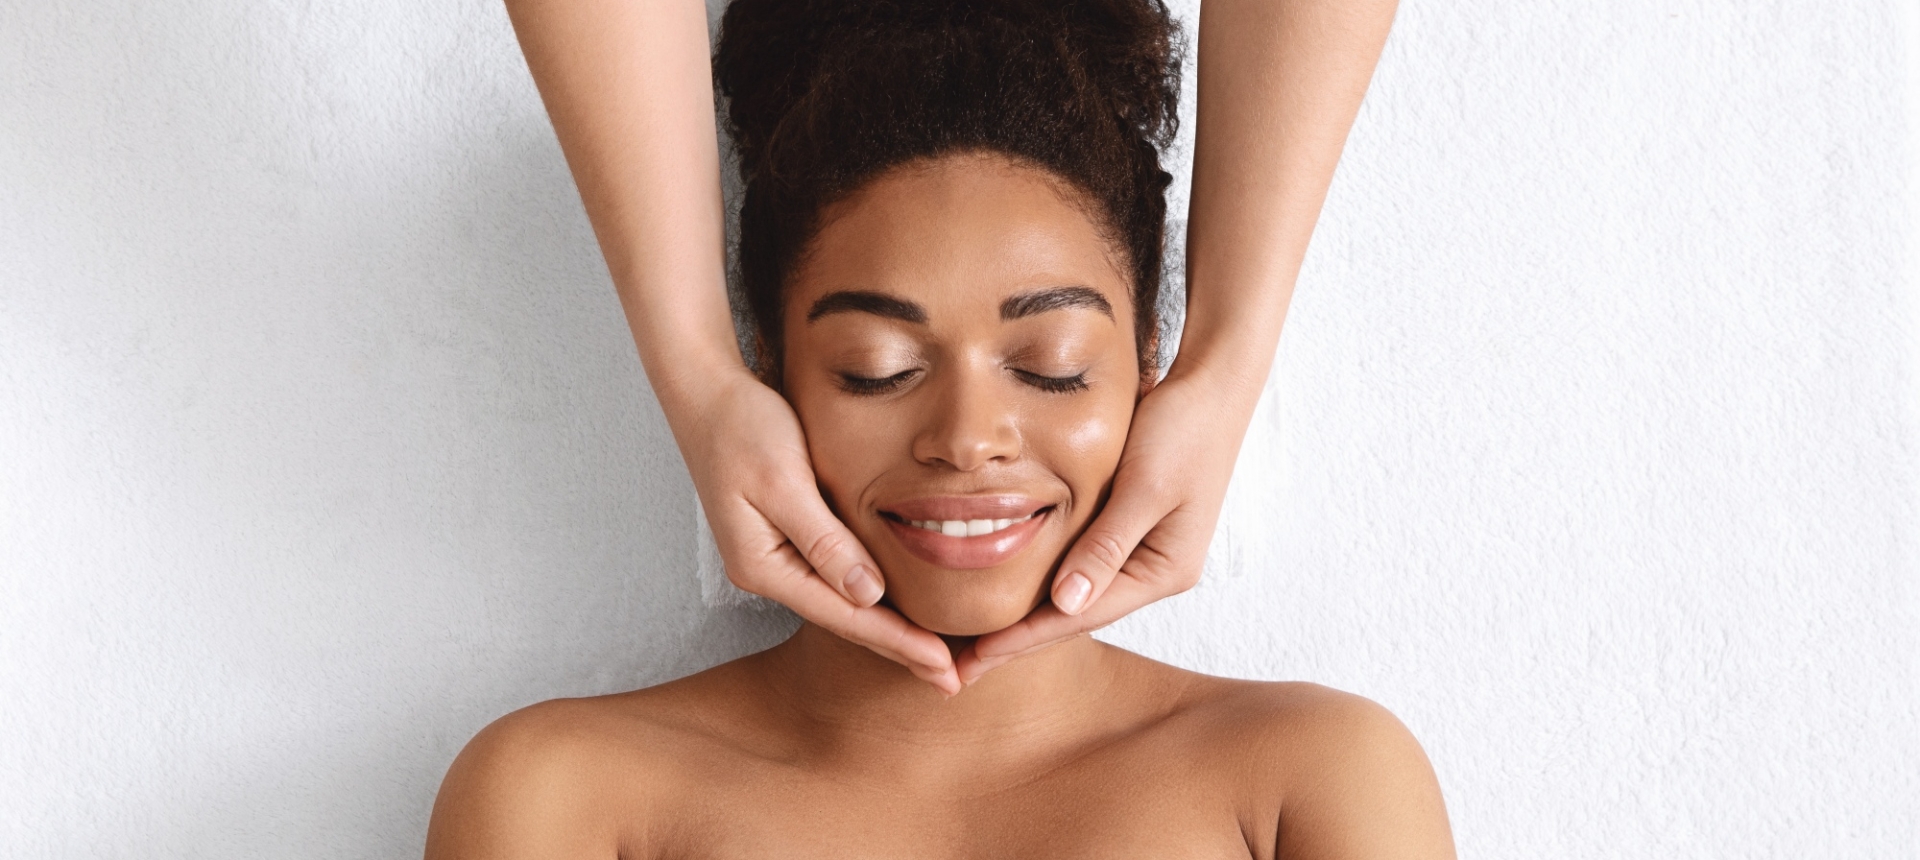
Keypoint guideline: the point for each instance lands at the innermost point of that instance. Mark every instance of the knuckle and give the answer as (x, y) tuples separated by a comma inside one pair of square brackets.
[(825, 546), (1107, 549), (762, 571), (744, 579), (1168, 575)]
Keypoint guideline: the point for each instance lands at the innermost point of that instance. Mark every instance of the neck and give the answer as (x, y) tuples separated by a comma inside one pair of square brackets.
[(851, 701)]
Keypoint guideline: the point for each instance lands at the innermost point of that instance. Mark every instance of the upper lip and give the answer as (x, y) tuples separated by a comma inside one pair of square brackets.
[(998, 507)]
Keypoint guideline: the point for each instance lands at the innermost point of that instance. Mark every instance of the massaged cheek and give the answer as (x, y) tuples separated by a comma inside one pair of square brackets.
[(1083, 446)]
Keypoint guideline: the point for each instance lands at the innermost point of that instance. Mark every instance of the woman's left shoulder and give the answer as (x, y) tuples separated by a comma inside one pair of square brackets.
[(1294, 711), (1348, 777)]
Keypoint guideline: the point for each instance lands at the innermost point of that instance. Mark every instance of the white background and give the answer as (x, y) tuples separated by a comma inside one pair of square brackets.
[(1590, 448)]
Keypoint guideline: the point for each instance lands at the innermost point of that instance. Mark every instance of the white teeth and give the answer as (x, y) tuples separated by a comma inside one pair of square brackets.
[(966, 528)]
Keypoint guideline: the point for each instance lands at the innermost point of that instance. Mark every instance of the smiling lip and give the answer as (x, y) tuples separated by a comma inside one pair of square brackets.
[(1011, 522)]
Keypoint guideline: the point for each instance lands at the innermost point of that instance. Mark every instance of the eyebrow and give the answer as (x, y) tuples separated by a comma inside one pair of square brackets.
[(1054, 299), (867, 302), (1023, 305)]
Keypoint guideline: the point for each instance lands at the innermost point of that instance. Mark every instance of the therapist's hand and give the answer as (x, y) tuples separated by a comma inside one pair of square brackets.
[(1150, 541), (748, 456)]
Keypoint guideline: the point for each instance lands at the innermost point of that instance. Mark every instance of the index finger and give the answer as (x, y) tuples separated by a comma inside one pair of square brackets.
[(827, 547), (878, 628)]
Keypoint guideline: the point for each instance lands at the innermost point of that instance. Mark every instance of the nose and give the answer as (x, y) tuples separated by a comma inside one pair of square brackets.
[(972, 422)]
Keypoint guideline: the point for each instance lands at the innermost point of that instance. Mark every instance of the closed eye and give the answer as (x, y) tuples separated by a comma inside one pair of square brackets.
[(867, 385), (1054, 384)]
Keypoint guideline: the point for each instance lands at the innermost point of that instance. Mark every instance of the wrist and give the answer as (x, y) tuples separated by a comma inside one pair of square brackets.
[(685, 339), (1233, 363), (688, 382), (1236, 307)]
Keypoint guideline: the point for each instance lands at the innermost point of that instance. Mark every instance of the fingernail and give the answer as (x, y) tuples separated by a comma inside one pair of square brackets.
[(1071, 596), (947, 689), (935, 670), (862, 586)]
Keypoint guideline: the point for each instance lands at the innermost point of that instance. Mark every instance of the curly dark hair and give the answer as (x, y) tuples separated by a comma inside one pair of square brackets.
[(823, 96)]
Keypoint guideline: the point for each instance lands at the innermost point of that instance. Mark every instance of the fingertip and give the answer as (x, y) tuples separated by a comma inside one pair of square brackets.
[(977, 668), (948, 683), (862, 586), (1072, 593)]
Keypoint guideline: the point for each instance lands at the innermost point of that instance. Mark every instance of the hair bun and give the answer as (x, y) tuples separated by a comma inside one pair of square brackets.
[(776, 55)]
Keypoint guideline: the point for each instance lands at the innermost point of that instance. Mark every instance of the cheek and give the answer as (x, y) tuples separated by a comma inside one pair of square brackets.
[(1082, 440), (1096, 437), (843, 436)]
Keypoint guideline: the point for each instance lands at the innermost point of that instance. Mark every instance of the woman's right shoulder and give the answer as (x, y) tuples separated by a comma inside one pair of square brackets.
[(569, 777)]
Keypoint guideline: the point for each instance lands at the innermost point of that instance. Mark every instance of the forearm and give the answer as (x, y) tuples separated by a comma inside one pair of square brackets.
[(628, 85), (1280, 83)]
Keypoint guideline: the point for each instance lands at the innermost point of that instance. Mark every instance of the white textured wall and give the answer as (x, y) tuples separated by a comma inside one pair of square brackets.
[(1590, 450)]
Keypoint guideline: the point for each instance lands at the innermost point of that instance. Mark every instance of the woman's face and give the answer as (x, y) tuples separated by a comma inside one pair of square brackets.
[(960, 351)]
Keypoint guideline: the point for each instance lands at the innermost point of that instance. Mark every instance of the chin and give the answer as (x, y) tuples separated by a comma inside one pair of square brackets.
[(964, 603)]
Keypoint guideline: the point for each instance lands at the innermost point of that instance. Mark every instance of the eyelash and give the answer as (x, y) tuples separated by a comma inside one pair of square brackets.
[(863, 385), (1055, 384)]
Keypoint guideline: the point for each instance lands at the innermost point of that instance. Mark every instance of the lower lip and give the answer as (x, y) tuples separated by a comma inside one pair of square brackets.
[(968, 553)]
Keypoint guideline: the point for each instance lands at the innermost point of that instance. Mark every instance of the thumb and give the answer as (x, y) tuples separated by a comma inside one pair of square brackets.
[(1101, 551), (826, 544)]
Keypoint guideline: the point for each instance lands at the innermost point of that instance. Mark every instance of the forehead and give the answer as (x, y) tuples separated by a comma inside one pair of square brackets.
[(965, 230)]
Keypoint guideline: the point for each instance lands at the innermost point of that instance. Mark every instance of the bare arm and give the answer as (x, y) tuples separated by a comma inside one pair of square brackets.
[(630, 91), (1280, 84)]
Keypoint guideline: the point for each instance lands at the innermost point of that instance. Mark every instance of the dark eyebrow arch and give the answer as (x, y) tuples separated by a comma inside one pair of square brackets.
[(1054, 299), (867, 302)]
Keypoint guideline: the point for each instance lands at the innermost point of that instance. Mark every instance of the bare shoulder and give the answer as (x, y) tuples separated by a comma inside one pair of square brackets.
[(1329, 774), (569, 777), (1310, 721)]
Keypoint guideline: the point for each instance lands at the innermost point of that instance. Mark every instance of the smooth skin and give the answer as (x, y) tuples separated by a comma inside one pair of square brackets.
[(629, 88), (821, 748)]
